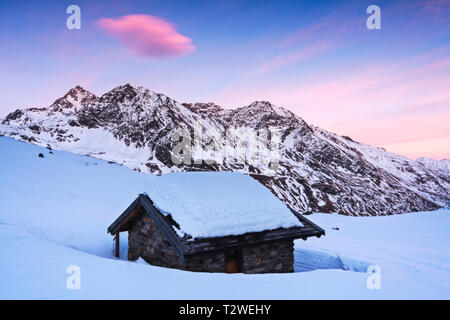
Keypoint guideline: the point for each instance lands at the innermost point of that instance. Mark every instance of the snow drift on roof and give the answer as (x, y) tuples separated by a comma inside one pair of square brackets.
[(214, 204)]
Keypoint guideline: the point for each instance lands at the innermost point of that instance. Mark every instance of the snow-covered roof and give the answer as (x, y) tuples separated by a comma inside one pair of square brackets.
[(213, 204)]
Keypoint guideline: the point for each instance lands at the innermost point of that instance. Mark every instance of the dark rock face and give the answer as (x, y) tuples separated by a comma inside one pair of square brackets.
[(317, 170), (13, 116)]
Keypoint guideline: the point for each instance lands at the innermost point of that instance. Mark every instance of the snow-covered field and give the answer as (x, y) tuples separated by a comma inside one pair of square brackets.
[(54, 212)]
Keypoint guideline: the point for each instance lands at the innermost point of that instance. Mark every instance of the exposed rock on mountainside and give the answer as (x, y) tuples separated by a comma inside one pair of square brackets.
[(317, 170)]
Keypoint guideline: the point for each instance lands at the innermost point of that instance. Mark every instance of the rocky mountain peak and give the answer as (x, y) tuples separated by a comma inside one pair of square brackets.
[(262, 104), (261, 114), (120, 94), (134, 97), (73, 99), (209, 109), (78, 91)]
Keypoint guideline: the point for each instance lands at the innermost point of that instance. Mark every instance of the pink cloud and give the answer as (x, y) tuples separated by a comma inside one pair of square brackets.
[(296, 56), (436, 5), (437, 10), (148, 36), (322, 37)]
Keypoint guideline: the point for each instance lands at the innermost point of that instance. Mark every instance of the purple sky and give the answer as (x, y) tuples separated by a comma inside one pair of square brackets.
[(388, 87)]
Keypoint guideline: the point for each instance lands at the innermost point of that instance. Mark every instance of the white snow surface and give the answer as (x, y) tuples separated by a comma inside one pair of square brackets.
[(214, 204), (54, 212)]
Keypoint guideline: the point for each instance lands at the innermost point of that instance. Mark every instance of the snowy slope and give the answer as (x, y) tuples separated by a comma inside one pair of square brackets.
[(54, 212), (317, 171)]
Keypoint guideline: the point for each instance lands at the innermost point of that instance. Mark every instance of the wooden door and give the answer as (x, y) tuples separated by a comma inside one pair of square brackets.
[(232, 260)]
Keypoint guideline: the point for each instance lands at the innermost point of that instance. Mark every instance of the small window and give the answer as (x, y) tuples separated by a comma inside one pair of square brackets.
[(233, 260)]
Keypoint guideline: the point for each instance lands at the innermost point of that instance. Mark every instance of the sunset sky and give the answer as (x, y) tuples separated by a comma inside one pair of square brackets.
[(388, 87)]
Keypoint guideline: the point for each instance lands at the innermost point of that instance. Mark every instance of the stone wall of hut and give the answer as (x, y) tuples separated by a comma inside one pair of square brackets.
[(275, 257), (146, 241)]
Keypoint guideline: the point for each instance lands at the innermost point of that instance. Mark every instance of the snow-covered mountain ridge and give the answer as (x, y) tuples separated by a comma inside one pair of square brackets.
[(439, 165), (318, 170)]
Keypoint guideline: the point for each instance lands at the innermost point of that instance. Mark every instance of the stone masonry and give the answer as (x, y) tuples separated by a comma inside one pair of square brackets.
[(146, 241), (273, 257)]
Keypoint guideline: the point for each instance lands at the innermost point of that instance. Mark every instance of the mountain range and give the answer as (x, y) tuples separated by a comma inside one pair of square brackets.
[(317, 170)]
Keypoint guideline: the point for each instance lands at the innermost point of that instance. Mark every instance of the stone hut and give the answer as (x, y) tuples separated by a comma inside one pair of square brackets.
[(212, 222)]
